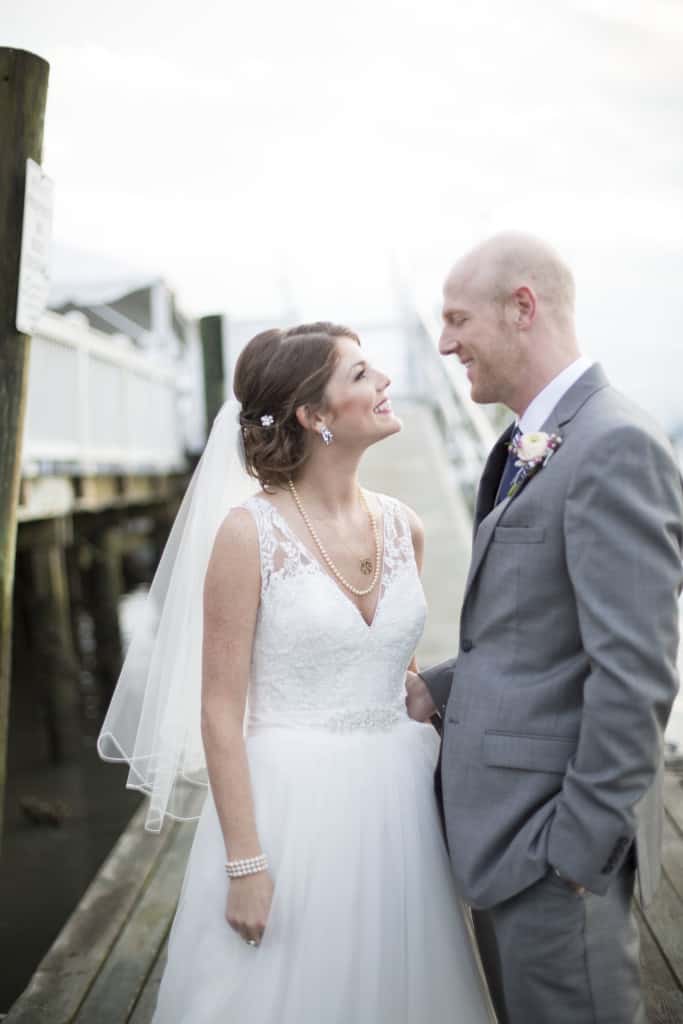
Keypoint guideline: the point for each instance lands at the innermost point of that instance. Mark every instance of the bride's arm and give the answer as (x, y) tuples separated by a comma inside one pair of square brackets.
[(419, 703), (231, 600), (417, 535)]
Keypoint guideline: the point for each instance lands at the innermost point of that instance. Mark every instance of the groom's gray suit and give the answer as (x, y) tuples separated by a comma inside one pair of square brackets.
[(554, 708)]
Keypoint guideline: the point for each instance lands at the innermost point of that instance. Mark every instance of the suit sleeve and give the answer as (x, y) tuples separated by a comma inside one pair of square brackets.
[(439, 680), (623, 535)]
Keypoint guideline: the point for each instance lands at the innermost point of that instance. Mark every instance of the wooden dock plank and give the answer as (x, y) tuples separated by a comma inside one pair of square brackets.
[(67, 971), (673, 798), (144, 1008), (672, 854), (665, 918), (662, 927), (121, 980), (664, 1002)]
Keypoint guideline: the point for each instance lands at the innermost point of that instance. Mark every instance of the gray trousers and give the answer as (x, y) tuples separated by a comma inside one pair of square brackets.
[(554, 957)]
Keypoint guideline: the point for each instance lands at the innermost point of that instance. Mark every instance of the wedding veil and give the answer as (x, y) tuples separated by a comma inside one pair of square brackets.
[(153, 721)]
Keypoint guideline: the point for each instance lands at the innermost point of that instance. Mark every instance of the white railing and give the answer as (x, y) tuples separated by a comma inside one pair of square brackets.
[(467, 430), (96, 405)]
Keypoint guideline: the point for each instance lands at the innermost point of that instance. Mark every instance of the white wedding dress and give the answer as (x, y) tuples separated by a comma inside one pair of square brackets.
[(365, 925)]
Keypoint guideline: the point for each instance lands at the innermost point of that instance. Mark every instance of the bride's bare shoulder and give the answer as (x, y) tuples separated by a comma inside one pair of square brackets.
[(232, 583), (236, 544)]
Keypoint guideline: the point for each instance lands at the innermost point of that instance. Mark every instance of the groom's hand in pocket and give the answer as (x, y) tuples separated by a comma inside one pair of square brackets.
[(419, 703), (248, 906)]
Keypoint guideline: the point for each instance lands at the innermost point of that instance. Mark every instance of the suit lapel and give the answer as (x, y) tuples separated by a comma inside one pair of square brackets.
[(594, 379), (482, 539), (490, 478)]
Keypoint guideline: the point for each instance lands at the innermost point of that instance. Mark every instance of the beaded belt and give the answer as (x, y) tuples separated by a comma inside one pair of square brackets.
[(366, 719), (380, 718)]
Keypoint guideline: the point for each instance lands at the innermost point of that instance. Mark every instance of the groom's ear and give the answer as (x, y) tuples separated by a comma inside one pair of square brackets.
[(524, 307)]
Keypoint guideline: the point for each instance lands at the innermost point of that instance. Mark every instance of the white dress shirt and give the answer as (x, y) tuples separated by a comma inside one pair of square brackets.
[(545, 401)]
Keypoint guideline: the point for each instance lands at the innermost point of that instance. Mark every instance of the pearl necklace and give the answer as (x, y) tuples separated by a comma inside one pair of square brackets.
[(328, 561)]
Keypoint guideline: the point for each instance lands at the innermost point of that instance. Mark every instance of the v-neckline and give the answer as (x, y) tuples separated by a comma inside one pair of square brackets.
[(321, 568)]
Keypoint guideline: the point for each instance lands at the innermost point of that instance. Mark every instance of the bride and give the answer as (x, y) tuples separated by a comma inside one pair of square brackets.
[(318, 888)]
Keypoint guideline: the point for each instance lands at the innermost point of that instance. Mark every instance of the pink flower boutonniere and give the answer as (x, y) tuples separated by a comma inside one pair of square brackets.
[(533, 452)]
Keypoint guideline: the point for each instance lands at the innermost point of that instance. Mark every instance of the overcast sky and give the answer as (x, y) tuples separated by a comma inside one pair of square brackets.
[(266, 154)]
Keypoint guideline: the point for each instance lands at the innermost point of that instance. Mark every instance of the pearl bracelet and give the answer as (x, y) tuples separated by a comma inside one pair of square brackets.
[(247, 866)]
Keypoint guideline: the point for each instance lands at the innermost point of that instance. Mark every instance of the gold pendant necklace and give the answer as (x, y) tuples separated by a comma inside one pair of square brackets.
[(366, 564)]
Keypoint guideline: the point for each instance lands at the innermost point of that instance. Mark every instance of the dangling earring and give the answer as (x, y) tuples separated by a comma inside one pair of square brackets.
[(327, 435)]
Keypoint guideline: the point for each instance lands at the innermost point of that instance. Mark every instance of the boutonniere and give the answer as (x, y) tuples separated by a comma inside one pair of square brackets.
[(533, 452)]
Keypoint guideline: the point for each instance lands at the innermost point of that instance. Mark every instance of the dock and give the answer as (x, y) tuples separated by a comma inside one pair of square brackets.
[(106, 964)]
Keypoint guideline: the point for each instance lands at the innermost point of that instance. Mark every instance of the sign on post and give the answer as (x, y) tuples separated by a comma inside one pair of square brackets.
[(34, 270)]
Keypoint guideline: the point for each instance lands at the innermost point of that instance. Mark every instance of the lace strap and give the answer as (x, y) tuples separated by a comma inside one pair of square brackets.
[(279, 555), (398, 546)]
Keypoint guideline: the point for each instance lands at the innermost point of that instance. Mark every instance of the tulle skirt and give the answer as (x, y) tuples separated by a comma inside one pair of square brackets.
[(365, 925)]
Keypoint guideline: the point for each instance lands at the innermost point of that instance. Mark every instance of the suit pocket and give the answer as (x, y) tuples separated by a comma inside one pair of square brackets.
[(519, 534), (528, 753)]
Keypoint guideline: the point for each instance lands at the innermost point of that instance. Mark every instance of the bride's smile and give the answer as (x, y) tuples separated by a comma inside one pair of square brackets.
[(359, 411)]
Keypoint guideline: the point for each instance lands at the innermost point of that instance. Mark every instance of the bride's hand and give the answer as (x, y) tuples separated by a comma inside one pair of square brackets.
[(248, 906), (419, 703)]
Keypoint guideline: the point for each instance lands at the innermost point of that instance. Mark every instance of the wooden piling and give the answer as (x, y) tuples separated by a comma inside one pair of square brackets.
[(211, 330), (23, 95), (103, 581), (53, 653)]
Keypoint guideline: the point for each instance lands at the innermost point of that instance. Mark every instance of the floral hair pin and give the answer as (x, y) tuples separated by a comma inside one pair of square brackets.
[(267, 420), (532, 451)]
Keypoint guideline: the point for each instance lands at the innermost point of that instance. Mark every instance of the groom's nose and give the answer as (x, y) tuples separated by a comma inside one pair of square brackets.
[(448, 343)]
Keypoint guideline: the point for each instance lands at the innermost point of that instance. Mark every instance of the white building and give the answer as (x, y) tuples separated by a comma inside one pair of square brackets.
[(133, 308)]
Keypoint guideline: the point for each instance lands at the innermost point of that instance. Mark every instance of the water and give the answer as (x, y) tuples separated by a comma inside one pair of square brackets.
[(45, 869)]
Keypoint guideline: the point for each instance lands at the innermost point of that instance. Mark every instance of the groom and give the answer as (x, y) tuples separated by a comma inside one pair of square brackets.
[(554, 708)]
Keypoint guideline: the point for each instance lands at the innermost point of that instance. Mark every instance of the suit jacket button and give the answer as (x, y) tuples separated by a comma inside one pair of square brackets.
[(467, 645)]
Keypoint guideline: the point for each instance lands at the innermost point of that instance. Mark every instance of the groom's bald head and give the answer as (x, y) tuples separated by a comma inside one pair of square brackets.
[(508, 315), (502, 264)]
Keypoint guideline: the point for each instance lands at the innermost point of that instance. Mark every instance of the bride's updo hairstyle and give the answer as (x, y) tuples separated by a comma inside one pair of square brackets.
[(276, 372)]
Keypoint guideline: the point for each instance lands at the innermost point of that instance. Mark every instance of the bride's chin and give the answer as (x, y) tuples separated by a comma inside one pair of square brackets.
[(392, 426)]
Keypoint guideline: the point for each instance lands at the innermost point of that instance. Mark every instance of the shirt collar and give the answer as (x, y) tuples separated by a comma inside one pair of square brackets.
[(545, 401)]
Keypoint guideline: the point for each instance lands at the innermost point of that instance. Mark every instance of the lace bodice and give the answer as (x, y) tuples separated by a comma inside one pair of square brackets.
[(315, 661)]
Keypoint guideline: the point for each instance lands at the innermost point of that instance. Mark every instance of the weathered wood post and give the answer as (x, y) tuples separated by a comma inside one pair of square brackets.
[(105, 580), (211, 331), (53, 655), (23, 95)]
